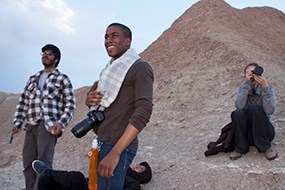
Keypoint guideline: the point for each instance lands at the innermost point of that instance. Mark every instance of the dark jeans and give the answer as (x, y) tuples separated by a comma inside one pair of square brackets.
[(62, 180), (252, 128), (117, 181)]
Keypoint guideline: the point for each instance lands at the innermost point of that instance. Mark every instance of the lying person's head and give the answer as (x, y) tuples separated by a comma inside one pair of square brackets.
[(140, 172)]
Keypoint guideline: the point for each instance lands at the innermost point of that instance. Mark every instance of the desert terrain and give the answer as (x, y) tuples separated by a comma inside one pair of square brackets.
[(198, 64)]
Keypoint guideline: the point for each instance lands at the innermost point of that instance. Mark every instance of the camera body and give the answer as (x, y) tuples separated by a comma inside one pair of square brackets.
[(82, 128), (257, 71)]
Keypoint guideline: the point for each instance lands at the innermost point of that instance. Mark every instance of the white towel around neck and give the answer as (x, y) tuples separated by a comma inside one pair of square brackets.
[(112, 76)]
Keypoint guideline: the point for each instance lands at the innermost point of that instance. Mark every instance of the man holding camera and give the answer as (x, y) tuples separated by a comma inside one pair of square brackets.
[(255, 102), (125, 91)]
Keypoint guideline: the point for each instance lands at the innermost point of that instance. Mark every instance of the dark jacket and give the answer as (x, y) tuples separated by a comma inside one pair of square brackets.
[(225, 143)]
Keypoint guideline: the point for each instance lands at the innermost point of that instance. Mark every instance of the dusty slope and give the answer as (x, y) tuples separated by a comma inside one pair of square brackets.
[(197, 64)]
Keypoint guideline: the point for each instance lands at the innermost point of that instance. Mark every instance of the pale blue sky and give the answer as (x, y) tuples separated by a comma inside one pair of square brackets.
[(77, 28)]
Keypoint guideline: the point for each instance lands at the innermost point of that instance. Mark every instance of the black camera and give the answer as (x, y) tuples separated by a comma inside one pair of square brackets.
[(82, 128), (258, 70)]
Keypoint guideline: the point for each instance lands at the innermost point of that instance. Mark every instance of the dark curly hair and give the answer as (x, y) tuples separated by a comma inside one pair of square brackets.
[(55, 51), (126, 30)]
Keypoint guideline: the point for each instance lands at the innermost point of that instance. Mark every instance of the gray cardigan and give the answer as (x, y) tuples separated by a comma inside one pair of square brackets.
[(263, 97)]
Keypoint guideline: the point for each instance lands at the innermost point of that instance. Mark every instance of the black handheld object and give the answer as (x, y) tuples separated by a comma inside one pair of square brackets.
[(258, 70), (94, 118), (11, 138), (12, 134)]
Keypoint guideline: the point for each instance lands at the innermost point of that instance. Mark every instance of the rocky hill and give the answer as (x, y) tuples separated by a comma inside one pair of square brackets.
[(198, 64)]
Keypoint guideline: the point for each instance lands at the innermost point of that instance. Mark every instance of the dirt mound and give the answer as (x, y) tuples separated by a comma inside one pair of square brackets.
[(198, 65)]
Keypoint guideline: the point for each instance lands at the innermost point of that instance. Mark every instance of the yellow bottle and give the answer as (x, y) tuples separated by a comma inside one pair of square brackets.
[(93, 161)]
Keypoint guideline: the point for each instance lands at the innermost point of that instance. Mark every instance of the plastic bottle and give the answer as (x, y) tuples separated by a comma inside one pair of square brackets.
[(93, 161)]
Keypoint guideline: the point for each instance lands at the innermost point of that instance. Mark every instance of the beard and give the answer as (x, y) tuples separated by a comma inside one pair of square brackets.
[(47, 63)]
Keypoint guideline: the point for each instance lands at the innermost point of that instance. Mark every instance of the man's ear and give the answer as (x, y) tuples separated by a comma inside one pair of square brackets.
[(129, 41)]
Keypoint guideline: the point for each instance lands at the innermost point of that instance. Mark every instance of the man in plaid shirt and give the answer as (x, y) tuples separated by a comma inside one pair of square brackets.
[(44, 110)]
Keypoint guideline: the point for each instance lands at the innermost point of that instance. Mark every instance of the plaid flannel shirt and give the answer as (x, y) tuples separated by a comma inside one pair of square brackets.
[(56, 103)]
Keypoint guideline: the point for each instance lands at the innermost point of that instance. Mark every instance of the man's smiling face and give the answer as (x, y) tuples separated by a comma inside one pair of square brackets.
[(116, 43)]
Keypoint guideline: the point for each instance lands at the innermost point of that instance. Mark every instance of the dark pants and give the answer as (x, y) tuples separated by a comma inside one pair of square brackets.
[(38, 145), (252, 128), (74, 180), (63, 180)]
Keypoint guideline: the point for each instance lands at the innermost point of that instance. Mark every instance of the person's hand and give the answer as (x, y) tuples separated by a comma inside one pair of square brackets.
[(249, 75), (107, 166), (15, 129), (260, 80), (57, 129), (93, 98)]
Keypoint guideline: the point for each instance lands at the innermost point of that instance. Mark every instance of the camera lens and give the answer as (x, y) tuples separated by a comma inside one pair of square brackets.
[(81, 129), (258, 70), (94, 118)]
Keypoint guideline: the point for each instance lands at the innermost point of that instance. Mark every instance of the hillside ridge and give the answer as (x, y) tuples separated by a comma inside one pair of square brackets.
[(198, 63)]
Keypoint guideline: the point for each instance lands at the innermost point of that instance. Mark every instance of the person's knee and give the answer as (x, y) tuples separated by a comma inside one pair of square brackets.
[(238, 114), (253, 108)]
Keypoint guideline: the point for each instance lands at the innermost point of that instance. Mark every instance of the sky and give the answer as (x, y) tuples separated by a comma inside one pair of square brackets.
[(78, 28)]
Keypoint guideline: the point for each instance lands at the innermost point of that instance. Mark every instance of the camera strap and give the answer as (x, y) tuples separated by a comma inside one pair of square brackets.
[(97, 108)]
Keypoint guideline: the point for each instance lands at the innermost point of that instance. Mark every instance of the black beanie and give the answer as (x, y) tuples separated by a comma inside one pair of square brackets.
[(143, 177)]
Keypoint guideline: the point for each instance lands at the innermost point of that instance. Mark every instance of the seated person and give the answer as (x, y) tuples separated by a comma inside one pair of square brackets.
[(255, 103), (51, 179)]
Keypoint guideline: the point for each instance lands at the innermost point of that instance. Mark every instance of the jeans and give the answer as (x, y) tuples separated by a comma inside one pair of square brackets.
[(252, 127), (117, 181)]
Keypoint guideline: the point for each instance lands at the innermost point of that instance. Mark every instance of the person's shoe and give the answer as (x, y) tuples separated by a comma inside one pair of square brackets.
[(271, 154), (235, 155), (40, 167)]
